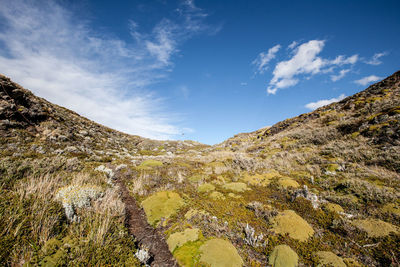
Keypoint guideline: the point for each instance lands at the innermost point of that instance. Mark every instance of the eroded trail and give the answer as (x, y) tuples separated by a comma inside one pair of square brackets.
[(144, 234)]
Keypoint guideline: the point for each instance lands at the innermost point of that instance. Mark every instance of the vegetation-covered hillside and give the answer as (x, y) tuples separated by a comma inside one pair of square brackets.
[(320, 189)]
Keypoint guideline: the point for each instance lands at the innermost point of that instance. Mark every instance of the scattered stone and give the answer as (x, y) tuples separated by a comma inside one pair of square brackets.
[(288, 222), (71, 149), (178, 239), (220, 253), (375, 227), (327, 258), (161, 205), (283, 256)]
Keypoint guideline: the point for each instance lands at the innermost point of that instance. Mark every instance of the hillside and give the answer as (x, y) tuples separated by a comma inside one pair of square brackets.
[(320, 189)]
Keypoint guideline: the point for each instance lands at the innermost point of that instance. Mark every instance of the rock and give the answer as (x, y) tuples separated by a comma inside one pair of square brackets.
[(161, 205), (288, 222), (236, 187), (220, 253), (205, 188), (375, 227), (283, 256), (327, 258), (178, 239)]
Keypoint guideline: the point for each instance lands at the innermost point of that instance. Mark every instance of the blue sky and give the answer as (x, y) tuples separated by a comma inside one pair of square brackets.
[(199, 70)]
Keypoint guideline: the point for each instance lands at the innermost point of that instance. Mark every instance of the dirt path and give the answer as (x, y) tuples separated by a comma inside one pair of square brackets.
[(144, 234)]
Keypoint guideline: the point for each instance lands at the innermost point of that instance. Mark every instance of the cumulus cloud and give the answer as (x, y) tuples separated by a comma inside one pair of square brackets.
[(339, 76), (375, 60), (324, 102), (305, 60), (49, 51), (369, 79), (261, 62)]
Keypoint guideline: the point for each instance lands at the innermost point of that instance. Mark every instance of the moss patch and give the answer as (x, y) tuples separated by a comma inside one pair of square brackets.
[(161, 205), (217, 195), (283, 256), (260, 179), (178, 239), (327, 258), (237, 187), (392, 208), (288, 182), (332, 207), (288, 222), (205, 188), (375, 228), (220, 253), (193, 212), (148, 164), (188, 254)]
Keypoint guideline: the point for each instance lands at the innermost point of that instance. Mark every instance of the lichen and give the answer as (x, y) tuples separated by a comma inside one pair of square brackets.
[(74, 196), (162, 205), (283, 256)]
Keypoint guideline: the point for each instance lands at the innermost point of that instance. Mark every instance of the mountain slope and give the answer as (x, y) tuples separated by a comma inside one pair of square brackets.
[(320, 188)]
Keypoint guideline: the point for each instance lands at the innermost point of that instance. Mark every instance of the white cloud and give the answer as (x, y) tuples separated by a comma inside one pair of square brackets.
[(324, 102), (339, 76), (366, 80), (342, 60), (49, 51), (305, 61), (292, 45), (243, 84), (263, 59), (375, 59)]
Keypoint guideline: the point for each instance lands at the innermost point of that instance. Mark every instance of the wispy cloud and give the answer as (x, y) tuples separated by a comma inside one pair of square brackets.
[(369, 79), (339, 76), (324, 102), (305, 60), (375, 60), (261, 62), (46, 49), (293, 45)]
